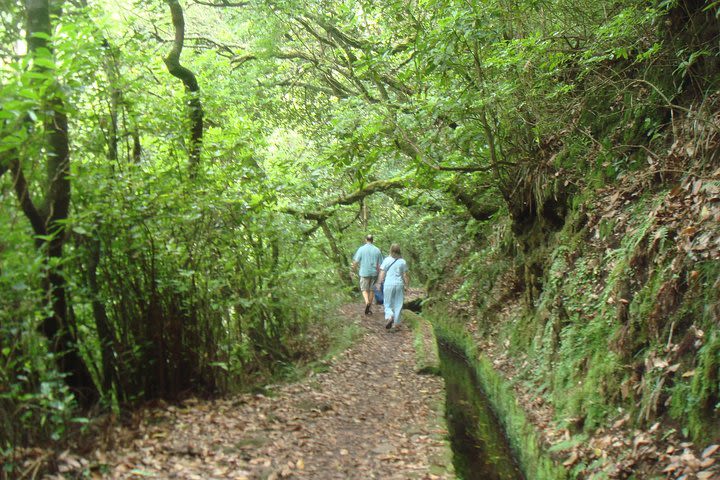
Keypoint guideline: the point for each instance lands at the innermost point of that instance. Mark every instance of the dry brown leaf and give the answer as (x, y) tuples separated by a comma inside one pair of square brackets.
[(571, 460), (696, 187), (691, 461), (710, 450), (660, 363), (640, 439), (621, 422)]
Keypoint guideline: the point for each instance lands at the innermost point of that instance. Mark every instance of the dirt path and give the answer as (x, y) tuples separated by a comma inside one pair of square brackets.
[(369, 416)]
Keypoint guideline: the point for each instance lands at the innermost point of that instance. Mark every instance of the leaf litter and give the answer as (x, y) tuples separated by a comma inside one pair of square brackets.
[(370, 416)]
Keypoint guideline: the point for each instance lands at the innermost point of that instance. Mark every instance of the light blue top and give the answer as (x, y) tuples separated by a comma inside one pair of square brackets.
[(394, 271), (369, 257)]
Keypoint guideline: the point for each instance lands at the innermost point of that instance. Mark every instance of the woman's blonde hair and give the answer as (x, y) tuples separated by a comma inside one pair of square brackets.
[(395, 251)]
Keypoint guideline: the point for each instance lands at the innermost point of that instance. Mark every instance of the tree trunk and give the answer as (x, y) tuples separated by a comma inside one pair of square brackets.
[(338, 258), (104, 329), (48, 220), (115, 101), (172, 61), (137, 147)]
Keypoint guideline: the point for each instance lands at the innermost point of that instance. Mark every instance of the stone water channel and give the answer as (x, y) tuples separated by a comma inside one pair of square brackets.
[(480, 448)]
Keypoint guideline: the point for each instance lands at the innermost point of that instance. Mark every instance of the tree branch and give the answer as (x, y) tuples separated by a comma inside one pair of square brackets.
[(307, 86), (463, 169), (354, 197), (369, 189), (239, 61), (479, 211), (315, 216), (26, 204), (201, 42), (222, 4), (314, 33), (337, 34)]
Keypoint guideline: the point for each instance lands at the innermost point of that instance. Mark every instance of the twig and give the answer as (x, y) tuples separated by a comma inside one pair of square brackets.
[(669, 342)]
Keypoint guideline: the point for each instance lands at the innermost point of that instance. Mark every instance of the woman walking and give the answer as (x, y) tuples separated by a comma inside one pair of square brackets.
[(394, 277)]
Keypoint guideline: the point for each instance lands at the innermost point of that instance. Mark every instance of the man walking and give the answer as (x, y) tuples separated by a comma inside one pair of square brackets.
[(368, 257)]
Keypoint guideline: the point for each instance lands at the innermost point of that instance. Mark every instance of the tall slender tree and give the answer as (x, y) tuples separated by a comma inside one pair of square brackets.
[(47, 219)]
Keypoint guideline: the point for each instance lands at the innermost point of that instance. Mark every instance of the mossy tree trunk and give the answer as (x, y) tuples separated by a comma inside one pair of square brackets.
[(176, 69)]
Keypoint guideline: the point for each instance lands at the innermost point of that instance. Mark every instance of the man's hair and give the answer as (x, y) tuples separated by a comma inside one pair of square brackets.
[(369, 238)]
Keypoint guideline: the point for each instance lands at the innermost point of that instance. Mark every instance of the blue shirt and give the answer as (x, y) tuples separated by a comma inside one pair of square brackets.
[(369, 257), (394, 271)]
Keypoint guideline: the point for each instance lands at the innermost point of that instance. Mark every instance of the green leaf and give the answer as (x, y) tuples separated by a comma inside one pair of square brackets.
[(29, 93), (142, 473), (221, 365), (45, 62), (41, 35)]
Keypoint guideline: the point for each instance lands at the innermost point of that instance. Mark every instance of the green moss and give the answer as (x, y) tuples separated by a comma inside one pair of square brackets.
[(428, 361), (586, 375), (609, 300), (524, 439), (427, 358), (695, 400), (703, 395)]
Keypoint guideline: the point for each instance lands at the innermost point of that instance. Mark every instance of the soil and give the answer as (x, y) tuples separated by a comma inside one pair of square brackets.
[(370, 415)]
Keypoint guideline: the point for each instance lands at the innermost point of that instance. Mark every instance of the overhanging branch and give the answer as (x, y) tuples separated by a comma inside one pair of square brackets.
[(306, 86), (328, 210), (221, 4), (369, 189)]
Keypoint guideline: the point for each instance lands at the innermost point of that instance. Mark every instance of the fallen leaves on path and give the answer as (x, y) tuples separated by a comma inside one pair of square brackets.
[(369, 416)]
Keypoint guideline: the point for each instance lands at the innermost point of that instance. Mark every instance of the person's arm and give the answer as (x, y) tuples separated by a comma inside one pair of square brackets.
[(406, 280), (381, 275), (355, 262)]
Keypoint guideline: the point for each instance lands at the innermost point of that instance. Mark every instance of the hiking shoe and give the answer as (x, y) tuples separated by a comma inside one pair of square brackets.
[(389, 324), (367, 309)]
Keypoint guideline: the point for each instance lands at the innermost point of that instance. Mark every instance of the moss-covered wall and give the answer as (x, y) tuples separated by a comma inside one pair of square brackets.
[(535, 462), (623, 313)]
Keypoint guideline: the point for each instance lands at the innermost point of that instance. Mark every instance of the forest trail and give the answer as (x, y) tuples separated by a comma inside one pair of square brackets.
[(368, 416)]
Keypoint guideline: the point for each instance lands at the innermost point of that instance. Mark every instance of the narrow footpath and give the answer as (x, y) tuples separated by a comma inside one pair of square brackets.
[(369, 416)]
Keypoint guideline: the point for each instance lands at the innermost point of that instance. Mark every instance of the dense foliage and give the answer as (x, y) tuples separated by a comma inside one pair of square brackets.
[(182, 184)]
